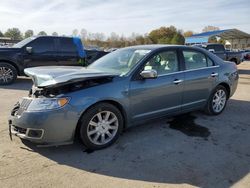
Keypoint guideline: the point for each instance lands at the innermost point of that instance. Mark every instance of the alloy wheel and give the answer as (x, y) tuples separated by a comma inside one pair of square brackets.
[(6, 74), (102, 128), (219, 100)]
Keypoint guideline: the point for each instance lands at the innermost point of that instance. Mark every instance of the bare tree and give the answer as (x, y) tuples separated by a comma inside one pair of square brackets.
[(42, 33), (84, 34), (75, 33), (54, 34), (99, 36), (210, 28)]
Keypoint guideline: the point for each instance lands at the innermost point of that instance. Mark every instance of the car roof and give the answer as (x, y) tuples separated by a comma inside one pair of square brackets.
[(50, 36), (160, 46)]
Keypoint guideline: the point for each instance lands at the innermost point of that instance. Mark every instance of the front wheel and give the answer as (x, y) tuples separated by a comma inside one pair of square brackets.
[(217, 101), (8, 74), (101, 126)]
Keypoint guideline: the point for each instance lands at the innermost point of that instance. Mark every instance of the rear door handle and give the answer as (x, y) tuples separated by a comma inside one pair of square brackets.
[(214, 74), (177, 81)]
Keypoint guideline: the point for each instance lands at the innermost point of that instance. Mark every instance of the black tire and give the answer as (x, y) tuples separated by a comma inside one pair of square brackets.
[(209, 109), (235, 61), (88, 117), (8, 73)]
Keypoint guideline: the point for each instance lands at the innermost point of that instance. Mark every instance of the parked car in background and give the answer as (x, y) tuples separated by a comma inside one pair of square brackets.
[(43, 51), (126, 87), (93, 55), (246, 55), (220, 51)]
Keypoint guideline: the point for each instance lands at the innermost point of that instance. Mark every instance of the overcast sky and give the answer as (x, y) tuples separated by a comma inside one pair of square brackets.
[(122, 16)]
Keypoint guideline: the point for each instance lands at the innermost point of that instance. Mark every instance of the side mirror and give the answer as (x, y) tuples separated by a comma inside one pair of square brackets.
[(211, 50), (149, 74), (29, 50)]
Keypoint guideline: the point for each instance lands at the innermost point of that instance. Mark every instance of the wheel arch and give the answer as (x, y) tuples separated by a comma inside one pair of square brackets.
[(234, 59), (13, 64)]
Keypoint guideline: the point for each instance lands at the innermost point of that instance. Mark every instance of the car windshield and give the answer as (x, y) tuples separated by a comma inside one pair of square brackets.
[(23, 42), (120, 61)]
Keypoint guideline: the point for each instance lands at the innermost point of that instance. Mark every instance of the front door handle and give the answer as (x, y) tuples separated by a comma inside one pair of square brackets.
[(177, 81), (214, 74)]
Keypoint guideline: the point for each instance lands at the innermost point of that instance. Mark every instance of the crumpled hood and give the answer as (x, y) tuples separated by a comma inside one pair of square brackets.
[(50, 75)]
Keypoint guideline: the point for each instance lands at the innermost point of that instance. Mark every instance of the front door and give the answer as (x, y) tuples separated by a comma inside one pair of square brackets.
[(157, 97), (43, 53)]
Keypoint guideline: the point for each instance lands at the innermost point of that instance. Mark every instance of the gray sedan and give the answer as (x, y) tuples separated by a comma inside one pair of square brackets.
[(124, 88)]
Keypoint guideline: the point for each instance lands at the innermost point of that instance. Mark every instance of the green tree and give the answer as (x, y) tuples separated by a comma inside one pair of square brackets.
[(212, 39), (188, 33), (178, 39), (222, 41), (166, 35), (1, 34), (13, 33), (42, 33), (54, 34), (28, 33)]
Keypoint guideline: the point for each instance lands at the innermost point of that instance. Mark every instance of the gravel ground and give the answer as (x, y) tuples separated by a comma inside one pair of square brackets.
[(214, 152)]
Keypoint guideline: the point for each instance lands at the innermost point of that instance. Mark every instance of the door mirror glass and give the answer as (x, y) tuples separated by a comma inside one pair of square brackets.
[(149, 74), (29, 50)]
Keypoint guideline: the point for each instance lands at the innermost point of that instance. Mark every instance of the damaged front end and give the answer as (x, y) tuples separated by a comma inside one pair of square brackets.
[(69, 86), (31, 117), (52, 81)]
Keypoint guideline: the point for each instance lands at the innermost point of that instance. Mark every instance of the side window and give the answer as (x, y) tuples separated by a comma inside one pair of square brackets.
[(67, 45), (219, 48), (216, 48), (42, 45), (210, 47), (196, 60), (164, 63), (209, 62)]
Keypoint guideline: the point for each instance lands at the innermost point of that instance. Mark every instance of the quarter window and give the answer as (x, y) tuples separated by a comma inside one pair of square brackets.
[(196, 60), (164, 63)]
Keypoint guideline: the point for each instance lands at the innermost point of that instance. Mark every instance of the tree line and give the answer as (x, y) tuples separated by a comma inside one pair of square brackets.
[(162, 35)]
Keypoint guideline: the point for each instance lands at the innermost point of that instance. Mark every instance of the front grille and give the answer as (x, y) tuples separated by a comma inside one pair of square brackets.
[(24, 105), (19, 129)]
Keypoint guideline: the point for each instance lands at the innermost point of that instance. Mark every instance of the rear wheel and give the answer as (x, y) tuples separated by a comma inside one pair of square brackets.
[(217, 101), (8, 74), (101, 126)]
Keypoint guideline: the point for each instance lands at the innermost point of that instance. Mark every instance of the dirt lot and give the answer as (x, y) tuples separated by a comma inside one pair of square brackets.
[(215, 153)]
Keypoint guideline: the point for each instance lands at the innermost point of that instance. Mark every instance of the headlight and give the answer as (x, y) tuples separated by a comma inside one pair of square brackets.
[(40, 104)]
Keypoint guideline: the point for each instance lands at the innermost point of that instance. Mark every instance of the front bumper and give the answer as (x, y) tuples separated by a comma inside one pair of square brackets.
[(45, 127)]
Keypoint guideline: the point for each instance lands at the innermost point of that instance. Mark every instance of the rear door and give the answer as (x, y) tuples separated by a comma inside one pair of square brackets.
[(200, 76), (67, 52), (43, 52)]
